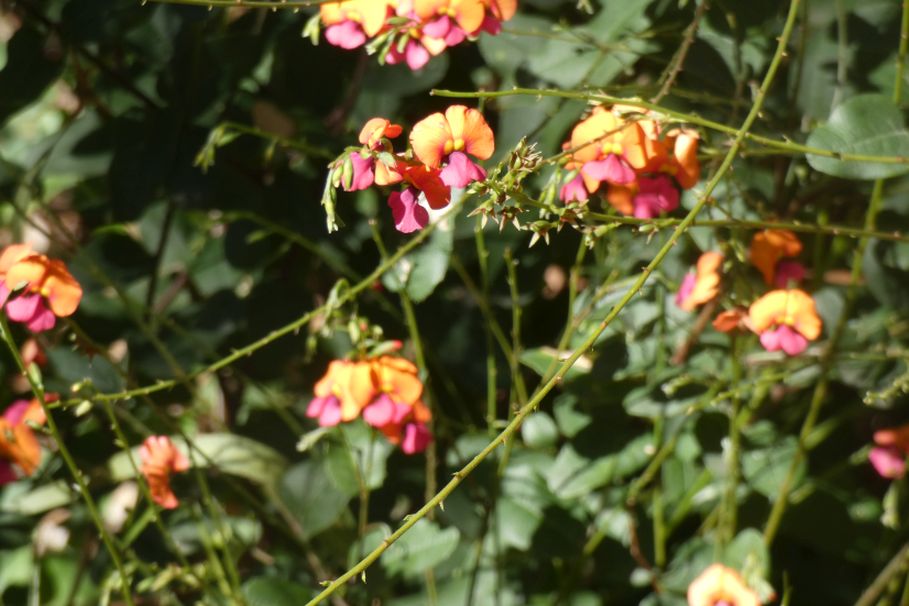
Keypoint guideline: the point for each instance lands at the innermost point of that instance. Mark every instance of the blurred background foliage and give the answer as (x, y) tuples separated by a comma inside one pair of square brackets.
[(175, 155)]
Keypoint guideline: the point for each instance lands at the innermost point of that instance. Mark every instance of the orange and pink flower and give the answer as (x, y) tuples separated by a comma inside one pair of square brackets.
[(768, 249), (18, 442), (785, 320), (888, 457), (159, 458), (386, 391), (701, 285), (719, 585), (46, 290)]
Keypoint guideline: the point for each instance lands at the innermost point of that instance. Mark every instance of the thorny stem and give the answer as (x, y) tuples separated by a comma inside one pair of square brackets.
[(589, 342), (276, 334), (826, 363), (790, 146), (38, 391)]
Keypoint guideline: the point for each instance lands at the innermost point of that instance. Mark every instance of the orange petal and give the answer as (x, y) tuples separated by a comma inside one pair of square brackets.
[(766, 311), (61, 289), (771, 245), (469, 14), (804, 313), (398, 378), (12, 254), (428, 139), (19, 444), (385, 175), (621, 198), (31, 269), (504, 9), (707, 281), (429, 181), (469, 126), (685, 150), (376, 128), (894, 436), (373, 14), (331, 13), (357, 389), (642, 148), (429, 9), (590, 134), (729, 320)]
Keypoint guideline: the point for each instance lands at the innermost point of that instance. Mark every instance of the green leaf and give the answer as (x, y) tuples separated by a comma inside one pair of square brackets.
[(366, 456), (865, 124), (765, 469), (273, 591), (19, 498), (539, 430), (313, 497), (422, 270), (422, 547)]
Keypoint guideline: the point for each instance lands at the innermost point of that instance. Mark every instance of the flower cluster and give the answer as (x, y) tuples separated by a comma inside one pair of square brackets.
[(34, 289), (439, 159), (18, 442), (641, 163), (785, 318), (718, 585), (159, 458), (385, 391), (411, 31)]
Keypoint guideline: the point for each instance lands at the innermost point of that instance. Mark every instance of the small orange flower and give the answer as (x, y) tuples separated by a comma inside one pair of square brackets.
[(888, 457), (771, 245), (721, 585), (377, 129), (18, 443), (468, 14), (460, 129), (701, 285), (342, 393), (47, 277), (159, 458), (785, 319), (683, 164)]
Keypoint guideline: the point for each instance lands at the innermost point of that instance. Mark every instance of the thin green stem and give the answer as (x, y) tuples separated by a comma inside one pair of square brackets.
[(826, 363), (292, 327), (491, 368), (790, 146), (591, 339), (38, 391)]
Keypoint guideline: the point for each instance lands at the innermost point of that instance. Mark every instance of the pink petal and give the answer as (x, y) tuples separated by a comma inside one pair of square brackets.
[(44, 319), (461, 171), (888, 462), (23, 308), (331, 414), (686, 287), (416, 54), (791, 341), (574, 191), (655, 196), (363, 175), (611, 169), (380, 413), (789, 273), (770, 340), (416, 438), (400, 412), (438, 28), (455, 36), (408, 215), (347, 34), (15, 411)]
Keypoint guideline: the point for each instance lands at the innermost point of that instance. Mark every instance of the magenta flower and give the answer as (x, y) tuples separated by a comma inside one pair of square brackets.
[(574, 191), (461, 171)]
